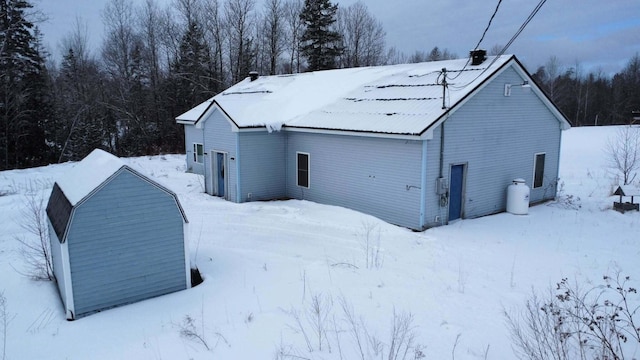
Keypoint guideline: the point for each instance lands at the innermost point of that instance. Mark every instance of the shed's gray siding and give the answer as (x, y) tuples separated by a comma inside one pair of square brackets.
[(193, 135), (126, 243), (496, 136), (376, 176), (262, 165), (219, 136), (58, 262)]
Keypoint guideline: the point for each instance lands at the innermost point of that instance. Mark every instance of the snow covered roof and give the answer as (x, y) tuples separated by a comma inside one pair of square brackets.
[(396, 99), (627, 190), (194, 114), (88, 174), (81, 181)]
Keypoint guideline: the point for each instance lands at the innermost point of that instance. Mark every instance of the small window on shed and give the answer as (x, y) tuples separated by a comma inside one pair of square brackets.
[(538, 170), (198, 153), (303, 169)]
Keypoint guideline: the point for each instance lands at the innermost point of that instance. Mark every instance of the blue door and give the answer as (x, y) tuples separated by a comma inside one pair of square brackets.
[(220, 173), (455, 192)]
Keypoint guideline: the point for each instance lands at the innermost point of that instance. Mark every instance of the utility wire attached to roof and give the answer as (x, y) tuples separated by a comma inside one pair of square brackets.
[(488, 25), (481, 38), (513, 38)]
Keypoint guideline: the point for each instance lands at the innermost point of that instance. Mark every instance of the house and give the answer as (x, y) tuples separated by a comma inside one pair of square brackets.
[(417, 145), (116, 236)]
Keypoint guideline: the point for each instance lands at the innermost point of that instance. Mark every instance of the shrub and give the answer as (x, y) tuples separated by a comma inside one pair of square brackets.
[(325, 330), (599, 323), (36, 250), (623, 152)]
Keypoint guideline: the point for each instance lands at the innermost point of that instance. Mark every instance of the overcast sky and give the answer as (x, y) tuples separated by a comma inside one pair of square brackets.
[(596, 34)]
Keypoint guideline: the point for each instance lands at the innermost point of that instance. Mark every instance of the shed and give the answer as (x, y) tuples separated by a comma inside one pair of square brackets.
[(397, 142), (117, 237)]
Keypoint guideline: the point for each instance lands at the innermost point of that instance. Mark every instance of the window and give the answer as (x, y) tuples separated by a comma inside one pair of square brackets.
[(198, 153), (303, 169), (538, 170)]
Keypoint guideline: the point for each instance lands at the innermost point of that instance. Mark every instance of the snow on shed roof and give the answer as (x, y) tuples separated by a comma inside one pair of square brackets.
[(395, 99), (82, 180), (88, 174)]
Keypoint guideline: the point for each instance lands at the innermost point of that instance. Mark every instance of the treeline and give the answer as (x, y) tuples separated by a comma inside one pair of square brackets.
[(156, 62), (593, 98)]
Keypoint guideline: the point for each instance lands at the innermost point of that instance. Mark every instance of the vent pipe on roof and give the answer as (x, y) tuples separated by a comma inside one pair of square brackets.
[(478, 56), (254, 75)]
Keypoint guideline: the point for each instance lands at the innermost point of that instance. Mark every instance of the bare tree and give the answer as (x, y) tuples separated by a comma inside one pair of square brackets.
[(394, 56), (215, 35), (118, 20), (123, 54), (496, 49), (36, 251), (240, 19), (148, 27), (623, 152), (574, 323), (190, 10), (363, 36), (417, 57), (552, 71), (79, 94), (149, 20), (273, 30), (171, 33), (295, 27)]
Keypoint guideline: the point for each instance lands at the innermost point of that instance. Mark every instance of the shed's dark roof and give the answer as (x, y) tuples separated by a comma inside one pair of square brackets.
[(59, 211)]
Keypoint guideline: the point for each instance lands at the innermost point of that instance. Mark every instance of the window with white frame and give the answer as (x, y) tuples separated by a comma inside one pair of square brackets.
[(198, 153), (538, 170), (302, 165)]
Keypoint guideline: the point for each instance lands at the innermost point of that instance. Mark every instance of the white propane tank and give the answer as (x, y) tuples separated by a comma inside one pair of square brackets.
[(518, 197)]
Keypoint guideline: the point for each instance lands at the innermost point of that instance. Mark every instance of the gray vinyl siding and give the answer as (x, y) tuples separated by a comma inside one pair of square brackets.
[(193, 135), (496, 137), (262, 166), (376, 176), (219, 136), (56, 260), (126, 243)]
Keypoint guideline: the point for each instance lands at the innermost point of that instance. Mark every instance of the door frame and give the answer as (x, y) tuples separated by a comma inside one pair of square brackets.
[(463, 190), (213, 170)]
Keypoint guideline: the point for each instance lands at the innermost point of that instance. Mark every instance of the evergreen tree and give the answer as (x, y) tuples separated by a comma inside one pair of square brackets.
[(321, 44), (81, 99), (33, 147), (191, 70), (22, 74)]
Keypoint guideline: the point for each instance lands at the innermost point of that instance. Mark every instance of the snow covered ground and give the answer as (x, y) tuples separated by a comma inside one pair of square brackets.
[(266, 263)]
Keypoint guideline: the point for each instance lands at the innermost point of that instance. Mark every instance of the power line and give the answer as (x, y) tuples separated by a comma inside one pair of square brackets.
[(488, 25), (533, 13), (481, 38), (513, 38)]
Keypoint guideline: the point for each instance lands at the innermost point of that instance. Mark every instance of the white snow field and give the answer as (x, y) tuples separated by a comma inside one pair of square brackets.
[(265, 263)]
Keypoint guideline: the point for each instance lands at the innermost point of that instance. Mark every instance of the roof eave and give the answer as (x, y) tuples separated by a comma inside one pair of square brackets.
[(367, 133)]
